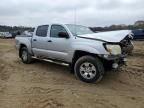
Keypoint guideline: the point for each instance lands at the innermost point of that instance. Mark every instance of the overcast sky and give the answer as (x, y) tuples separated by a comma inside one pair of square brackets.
[(86, 12)]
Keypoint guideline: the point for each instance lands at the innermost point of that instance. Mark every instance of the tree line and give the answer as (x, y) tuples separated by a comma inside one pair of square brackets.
[(118, 27), (11, 29)]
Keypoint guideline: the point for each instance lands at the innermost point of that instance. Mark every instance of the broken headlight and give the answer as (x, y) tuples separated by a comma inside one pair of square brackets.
[(113, 49)]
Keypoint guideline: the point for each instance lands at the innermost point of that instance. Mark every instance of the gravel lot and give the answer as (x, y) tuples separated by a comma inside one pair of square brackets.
[(48, 85)]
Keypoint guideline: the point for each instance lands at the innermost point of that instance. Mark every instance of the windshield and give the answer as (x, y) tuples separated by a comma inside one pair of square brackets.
[(78, 29)]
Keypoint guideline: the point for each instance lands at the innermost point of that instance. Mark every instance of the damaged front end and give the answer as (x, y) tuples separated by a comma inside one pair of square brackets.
[(114, 62), (127, 44), (118, 57)]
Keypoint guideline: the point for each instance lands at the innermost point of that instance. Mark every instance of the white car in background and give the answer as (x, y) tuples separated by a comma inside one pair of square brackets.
[(5, 35)]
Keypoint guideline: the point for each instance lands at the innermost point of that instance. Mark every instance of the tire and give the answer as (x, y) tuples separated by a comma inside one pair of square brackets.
[(25, 56), (71, 68), (94, 71)]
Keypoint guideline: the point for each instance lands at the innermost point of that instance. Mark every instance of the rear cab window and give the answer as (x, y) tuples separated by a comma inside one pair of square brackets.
[(42, 30)]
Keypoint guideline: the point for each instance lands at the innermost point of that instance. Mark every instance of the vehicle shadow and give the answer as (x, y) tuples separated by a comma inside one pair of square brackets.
[(63, 71)]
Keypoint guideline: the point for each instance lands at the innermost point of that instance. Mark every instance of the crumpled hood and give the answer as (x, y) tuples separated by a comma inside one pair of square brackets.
[(111, 36)]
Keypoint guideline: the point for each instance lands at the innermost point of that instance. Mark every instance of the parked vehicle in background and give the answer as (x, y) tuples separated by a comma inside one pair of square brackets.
[(26, 33), (138, 34), (87, 53), (14, 34), (5, 35), (1, 34), (8, 35)]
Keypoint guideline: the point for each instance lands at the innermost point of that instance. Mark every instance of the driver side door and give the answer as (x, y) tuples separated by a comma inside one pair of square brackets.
[(59, 46)]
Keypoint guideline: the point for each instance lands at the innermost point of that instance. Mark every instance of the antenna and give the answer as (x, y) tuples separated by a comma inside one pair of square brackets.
[(75, 20), (75, 15)]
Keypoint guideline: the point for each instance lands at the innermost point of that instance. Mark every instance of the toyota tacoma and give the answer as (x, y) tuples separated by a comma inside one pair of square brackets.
[(88, 54)]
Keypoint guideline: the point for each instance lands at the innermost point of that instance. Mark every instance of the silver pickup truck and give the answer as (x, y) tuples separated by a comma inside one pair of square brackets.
[(88, 54)]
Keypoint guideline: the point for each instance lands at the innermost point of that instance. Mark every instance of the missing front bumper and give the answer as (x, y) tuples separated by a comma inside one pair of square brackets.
[(114, 61)]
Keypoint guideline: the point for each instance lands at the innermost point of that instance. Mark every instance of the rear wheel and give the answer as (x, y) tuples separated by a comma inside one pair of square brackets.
[(25, 56), (89, 69)]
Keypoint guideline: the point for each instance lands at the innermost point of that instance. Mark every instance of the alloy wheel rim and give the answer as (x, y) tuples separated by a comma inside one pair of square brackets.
[(88, 70), (24, 55)]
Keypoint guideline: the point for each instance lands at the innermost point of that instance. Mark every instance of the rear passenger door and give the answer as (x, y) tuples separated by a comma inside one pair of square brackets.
[(40, 41)]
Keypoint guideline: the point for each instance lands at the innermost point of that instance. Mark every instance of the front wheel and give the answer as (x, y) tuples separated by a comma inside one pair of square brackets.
[(89, 69)]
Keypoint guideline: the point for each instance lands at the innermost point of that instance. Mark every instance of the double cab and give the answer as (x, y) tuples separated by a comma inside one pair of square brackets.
[(88, 54)]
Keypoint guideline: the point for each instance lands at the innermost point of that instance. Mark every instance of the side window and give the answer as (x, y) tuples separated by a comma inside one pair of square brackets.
[(55, 29), (42, 31)]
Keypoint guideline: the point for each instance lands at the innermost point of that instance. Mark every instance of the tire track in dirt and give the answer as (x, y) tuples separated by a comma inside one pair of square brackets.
[(46, 85)]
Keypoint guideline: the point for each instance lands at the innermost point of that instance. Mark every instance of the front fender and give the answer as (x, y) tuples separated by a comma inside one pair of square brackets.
[(91, 47), (99, 50), (87, 49)]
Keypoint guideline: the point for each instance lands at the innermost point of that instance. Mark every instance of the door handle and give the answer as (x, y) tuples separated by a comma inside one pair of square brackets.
[(34, 40), (49, 40)]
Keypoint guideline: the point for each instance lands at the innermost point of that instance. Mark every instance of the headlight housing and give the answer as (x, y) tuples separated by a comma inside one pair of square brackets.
[(113, 49)]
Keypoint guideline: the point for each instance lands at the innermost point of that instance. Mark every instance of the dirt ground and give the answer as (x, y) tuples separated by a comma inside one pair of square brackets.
[(48, 85)]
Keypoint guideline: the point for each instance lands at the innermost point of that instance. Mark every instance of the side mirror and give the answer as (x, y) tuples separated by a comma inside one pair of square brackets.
[(63, 35)]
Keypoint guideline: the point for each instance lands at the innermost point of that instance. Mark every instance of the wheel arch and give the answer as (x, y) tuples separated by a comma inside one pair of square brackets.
[(79, 53)]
